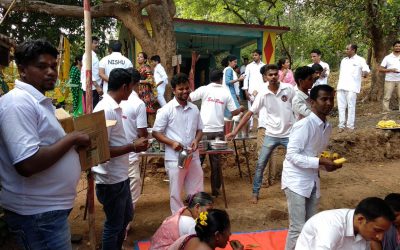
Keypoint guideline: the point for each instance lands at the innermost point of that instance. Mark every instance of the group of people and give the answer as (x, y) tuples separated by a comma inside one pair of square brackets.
[(40, 167)]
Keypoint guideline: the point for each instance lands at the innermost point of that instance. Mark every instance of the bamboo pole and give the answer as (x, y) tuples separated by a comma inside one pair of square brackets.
[(89, 108)]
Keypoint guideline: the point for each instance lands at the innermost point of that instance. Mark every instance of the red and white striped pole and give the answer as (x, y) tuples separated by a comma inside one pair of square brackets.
[(89, 108)]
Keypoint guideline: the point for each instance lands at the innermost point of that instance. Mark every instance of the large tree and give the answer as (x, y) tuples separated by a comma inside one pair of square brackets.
[(132, 13)]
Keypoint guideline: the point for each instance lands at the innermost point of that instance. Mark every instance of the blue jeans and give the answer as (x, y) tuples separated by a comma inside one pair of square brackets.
[(44, 231), (117, 205), (270, 143)]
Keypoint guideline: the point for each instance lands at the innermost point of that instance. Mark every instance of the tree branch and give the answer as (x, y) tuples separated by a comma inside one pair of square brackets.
[(144, 3), (228, 8)]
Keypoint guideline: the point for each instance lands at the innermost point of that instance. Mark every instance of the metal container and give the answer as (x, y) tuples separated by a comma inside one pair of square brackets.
[(184, 158)]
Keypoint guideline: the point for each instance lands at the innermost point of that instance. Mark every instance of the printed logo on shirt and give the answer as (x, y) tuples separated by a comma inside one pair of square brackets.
[(284, 98), (216, 100), (114, 62)]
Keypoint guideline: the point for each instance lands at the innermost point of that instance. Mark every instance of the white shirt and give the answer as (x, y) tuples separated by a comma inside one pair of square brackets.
[(116, 169), (242, 69), (301, 105), (309, 137), (160, 75), (333, 230), (323, 80), (133, 117), (279, 117), (391, 62), (186, 225), (253, 77), (113, 61), (95, 71), (350, 73), (214, 99), (28, 122), (179, 124)]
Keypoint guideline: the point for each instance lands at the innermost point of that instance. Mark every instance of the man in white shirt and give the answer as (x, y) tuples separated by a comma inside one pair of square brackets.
[(112, 61), (316, 58), (300, 175), (391, 67), (97, 91), (160, 77), (253, 79), (112, 179), (347, 228), (215, 98), (277, 101), (244, 65), (178, 125), (352, 68), (301, 105), (39, 166)]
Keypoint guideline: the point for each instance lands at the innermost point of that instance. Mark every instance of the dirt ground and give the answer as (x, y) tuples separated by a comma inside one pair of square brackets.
[(373, 170)]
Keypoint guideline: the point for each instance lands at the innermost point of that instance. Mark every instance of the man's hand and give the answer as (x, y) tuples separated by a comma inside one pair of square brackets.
[(194, 145), (329, 165), (230, 136), (99, 90), (176, 146), (394, 70), (80, 139), (242, 108), (236, 245), (141, 144), (241, 78)]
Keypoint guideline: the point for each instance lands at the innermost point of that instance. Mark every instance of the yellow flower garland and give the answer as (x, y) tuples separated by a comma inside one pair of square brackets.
[(202, 218)]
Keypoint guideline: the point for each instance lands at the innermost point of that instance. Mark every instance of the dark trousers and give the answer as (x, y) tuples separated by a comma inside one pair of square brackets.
[(117, 205), (214, 161), (95, 97)]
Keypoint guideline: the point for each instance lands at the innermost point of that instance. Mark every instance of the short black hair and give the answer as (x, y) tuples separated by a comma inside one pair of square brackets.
[(30, 50), (302, 73), (78, 58), (317, 67), (135, 75), (374, 207), (316, 51), (396, 42), (257, 51), (116, 46), (393, 200), (354, 47), (118, 77), (267, 67), (216, 75), (95, 38), (156, 58), (281, 62), (322, 87), (216, 221), (225, 62), (179, 79)]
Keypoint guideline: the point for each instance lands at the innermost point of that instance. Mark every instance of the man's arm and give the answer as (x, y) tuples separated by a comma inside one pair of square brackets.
[(102, 74), (197, 139), (137, 146), (164, 139), (242, 122), (300, 108)]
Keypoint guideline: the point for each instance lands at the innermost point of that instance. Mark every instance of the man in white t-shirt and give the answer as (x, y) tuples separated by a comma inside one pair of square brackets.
[(178, 125), (391, 67), (39, 166), (316, 58), (277, 101), (160, 77), (352, 68), (347, 228), (97, 91), (112, 61), (112, 179), (215, 98), (253, 79)]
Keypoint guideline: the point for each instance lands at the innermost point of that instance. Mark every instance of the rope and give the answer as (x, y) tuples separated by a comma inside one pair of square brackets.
[(9, 8)]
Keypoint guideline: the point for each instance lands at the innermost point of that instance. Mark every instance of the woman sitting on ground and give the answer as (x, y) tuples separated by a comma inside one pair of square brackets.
[(213, 230), (182, 222)]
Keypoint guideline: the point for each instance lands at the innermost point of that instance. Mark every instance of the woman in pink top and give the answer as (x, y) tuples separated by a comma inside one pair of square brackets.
[(182, 222), (285, 73), (213, 230)]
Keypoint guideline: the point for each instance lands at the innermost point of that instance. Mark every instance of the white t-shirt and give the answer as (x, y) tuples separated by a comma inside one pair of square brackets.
[(350, 73), (279, 117), (179, 124), (95, 71), (116, 169), (133, 117), (214, 99), (331, 229), (253, 77), (391, 62), (28, 122), (186, 225), (323, 80), (160, 75), (113, 61)]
